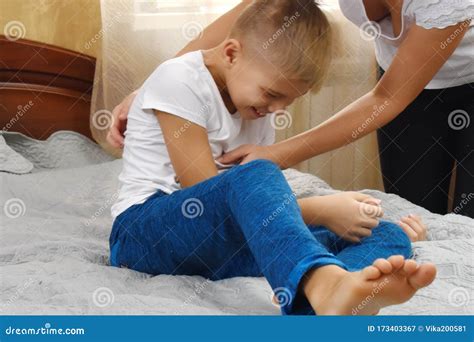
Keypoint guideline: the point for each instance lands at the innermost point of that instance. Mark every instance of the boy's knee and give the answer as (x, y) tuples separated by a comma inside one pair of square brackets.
[(256, 172), (259, 166), (397, 237), (263, 164)]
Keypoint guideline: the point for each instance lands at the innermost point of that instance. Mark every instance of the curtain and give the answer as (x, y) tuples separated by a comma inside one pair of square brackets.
[(352, 74), (138, 35)]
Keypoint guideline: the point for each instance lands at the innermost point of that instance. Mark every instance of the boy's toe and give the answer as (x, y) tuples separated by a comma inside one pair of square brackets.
[(423, 276), (383, 265), (371, 273), (410, 267), (397, 261)]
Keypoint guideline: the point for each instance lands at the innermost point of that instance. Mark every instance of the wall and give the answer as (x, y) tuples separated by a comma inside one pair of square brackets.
[(69, 24)]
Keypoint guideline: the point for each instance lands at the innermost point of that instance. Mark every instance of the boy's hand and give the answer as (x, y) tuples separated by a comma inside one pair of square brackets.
[(350, 215), (414, 227), (115, 137)]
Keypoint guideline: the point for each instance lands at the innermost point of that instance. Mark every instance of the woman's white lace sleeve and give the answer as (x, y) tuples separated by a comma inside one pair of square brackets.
[(442, 13)]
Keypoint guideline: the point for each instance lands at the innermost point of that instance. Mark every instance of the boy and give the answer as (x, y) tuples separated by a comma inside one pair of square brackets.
[(176, 214)]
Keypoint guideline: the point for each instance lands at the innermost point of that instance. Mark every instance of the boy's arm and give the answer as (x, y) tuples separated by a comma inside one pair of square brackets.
[(350, 215), (188, 148)]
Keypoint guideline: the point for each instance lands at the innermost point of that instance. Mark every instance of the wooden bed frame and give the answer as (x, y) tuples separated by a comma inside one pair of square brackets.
[(44, 89)]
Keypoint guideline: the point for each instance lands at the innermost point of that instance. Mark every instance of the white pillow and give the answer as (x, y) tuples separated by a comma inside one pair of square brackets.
[(11, 161)]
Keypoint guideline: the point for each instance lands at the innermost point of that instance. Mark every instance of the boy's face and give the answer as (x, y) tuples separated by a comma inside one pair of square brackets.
[(257, 88)]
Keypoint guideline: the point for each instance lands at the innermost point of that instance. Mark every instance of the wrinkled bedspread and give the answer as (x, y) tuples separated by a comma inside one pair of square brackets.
[(54, 250)]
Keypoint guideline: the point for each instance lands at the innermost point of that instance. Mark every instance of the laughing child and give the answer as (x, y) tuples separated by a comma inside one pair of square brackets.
[(179, 214)]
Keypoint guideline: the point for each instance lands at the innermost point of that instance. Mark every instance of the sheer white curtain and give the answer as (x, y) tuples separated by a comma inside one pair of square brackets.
[(353, 73), (137, 35)]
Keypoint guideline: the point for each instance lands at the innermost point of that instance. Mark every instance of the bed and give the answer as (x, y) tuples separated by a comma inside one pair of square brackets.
[(46, 85), (56, 191)]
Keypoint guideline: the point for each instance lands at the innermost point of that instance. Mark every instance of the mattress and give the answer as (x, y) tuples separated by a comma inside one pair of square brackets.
[(54, 251)]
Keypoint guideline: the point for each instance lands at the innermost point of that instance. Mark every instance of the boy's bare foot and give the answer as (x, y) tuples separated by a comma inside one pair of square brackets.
[(332, 290)]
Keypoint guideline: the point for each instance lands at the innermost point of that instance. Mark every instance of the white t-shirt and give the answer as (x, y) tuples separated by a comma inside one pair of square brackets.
[(429, 14), (183, 87)]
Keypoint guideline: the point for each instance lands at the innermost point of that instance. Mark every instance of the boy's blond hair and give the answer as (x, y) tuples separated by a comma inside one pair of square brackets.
[(293, 35)]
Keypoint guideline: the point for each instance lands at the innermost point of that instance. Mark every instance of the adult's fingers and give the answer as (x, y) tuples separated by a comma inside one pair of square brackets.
[(123, 113), (234, 156), (114, 137)]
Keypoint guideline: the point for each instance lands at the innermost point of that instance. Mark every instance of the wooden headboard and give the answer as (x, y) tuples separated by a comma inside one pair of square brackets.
[(44, 89)]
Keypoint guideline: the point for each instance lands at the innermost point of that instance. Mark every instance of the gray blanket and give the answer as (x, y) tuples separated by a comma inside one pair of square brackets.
[(56, 221)]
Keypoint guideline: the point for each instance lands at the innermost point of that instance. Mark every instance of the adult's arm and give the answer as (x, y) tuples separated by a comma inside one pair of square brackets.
[(417, 61)]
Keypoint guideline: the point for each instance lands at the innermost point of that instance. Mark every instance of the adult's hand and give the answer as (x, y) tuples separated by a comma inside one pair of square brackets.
[(246, 153), (115, 137)]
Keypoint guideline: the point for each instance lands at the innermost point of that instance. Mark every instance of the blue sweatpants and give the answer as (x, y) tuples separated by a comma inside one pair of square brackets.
[(243, 222)]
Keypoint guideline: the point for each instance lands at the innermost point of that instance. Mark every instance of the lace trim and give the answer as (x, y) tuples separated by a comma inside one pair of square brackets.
[(441, 13)]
